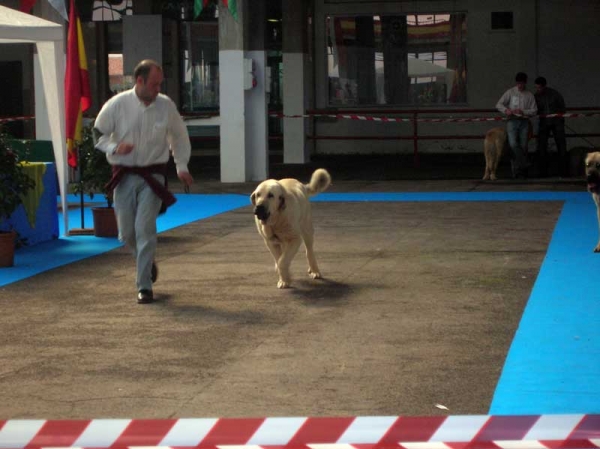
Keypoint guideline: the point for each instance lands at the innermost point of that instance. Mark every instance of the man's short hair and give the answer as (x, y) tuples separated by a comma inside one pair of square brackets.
[(521, 77), (540, 80), (143, 69)]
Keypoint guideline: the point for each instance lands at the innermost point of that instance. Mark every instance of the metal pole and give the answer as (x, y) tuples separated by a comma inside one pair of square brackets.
[(416, 161), (79, 169)]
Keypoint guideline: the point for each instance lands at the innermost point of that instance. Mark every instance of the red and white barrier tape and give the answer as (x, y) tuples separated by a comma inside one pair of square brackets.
[(371, 118), (435, 432), (15, 119), (346, 116), (500, 444)]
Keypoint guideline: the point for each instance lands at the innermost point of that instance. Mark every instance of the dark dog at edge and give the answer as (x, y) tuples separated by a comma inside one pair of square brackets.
[(592, 177)]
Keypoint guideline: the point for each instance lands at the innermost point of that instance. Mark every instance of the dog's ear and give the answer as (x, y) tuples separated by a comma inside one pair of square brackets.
[(281, 203), (253, 198)]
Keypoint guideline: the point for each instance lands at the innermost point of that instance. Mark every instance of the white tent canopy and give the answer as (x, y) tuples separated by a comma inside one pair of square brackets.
[(417, 68), (17, 27)]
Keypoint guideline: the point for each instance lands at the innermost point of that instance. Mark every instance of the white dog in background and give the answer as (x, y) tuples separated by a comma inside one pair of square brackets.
[(283, 218), (495, 145)]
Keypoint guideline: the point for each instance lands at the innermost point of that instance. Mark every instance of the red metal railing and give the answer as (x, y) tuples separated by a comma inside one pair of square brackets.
[(415, 116)]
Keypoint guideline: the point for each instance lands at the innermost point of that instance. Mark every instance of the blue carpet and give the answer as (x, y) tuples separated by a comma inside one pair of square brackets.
[(35, 259), (449, 196), (553, 365)]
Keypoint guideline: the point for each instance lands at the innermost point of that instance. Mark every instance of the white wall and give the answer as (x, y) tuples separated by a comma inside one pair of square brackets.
[(568, 58)]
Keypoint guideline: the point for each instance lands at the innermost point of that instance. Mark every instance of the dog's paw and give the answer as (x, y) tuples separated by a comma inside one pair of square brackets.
[(492, 177), (485, 177), (283, 284), (314, 274)]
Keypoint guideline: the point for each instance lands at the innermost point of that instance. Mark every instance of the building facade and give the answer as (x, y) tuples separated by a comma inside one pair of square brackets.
[(269, 75)]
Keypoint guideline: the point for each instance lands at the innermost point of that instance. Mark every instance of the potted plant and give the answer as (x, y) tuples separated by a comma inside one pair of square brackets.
[(95, 173), (14, 184)]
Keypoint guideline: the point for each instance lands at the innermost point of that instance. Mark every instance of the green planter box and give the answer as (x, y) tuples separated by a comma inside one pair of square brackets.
[(33, 150)]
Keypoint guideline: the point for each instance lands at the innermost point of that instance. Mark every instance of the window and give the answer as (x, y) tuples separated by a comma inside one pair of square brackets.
[(108, 11), (415, 59), (118, 80), (502, 20), (200, 84)]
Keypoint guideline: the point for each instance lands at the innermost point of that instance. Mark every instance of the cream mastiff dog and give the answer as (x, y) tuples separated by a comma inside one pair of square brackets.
[(283, 218), (494, 146), (592, 174)]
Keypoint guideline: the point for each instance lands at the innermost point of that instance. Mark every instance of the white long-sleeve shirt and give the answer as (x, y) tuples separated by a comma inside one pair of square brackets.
[(514, 98), (154, 130)]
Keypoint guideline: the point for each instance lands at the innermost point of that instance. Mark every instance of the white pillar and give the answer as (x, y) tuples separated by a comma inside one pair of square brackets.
[(232, 118), (295, 95), (295, 150), (257, 125), (243, 113)]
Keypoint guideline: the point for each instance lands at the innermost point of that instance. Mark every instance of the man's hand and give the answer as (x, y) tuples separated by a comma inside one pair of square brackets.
[(124, 148), (185, 178)]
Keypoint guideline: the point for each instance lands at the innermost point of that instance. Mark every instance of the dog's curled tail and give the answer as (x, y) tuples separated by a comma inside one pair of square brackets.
[(319, 181)]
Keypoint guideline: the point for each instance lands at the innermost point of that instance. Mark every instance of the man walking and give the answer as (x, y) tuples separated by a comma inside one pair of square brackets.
[(139, 129)]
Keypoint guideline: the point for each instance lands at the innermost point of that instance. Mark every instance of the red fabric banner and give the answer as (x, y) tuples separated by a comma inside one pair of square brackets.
[(77, 84)]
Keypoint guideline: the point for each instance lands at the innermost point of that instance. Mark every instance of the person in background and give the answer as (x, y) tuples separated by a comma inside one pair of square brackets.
[(550, 101), (518, 105), (138, 129)]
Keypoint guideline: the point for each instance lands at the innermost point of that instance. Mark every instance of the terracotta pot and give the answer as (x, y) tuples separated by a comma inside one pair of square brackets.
[(105, 222), (7, 248)]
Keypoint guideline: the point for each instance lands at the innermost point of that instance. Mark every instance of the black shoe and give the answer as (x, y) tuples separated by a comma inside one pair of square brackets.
[(154, 272), (145, 297)]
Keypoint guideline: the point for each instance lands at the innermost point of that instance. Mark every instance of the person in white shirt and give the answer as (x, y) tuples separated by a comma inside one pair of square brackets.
[(518, 105), (138, 129)]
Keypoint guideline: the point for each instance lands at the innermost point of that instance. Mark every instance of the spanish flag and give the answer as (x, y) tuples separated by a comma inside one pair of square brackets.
[(77, 84)]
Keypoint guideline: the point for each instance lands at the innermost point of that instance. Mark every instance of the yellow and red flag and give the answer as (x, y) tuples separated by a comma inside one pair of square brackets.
[(77, 84)]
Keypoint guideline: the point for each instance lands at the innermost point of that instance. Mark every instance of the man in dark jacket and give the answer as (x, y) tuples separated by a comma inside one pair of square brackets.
[(550, 101)]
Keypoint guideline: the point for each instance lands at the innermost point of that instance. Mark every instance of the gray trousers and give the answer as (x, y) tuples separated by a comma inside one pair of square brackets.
[(137, 207)]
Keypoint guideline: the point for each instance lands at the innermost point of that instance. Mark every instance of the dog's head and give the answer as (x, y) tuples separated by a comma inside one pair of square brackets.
[(268, 199), (592, 172)]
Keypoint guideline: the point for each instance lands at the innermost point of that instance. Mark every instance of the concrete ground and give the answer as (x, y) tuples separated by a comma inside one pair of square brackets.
[(417, 308)]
